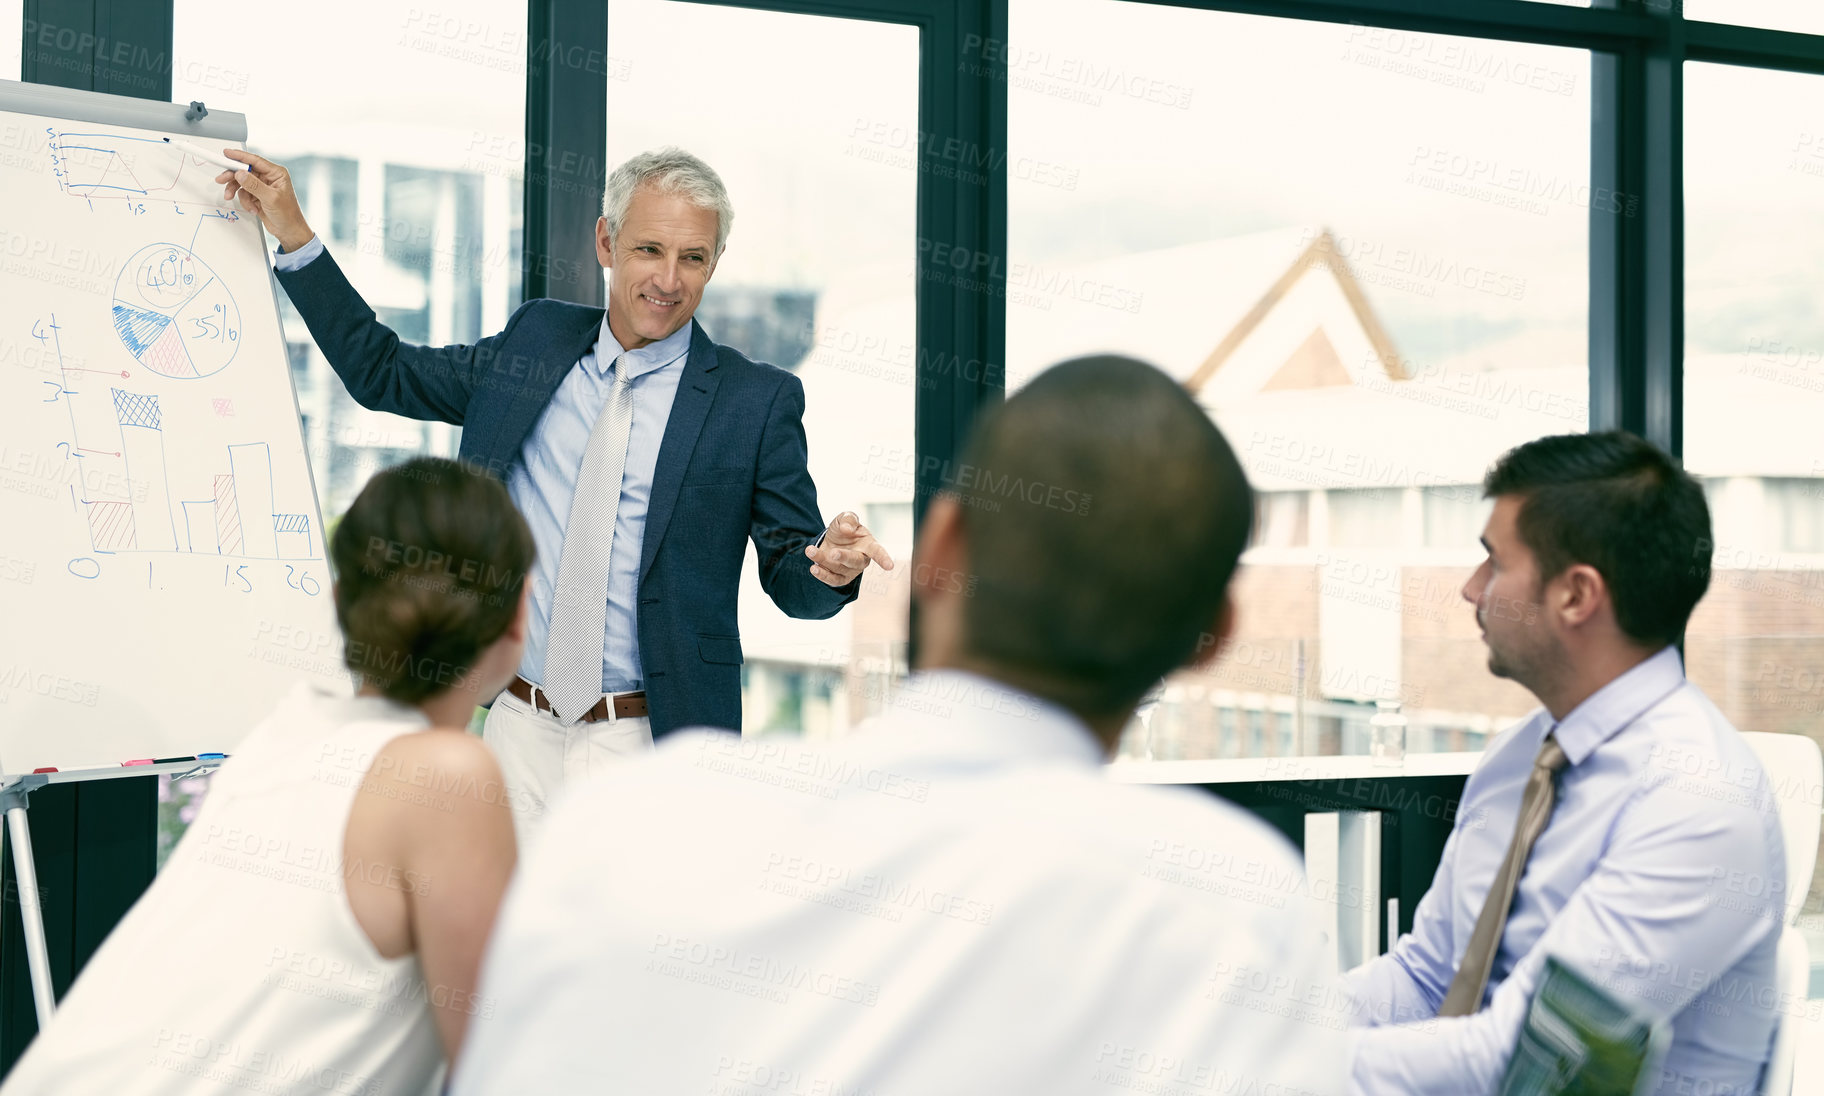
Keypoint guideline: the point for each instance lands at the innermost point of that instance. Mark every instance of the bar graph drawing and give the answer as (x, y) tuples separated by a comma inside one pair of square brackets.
[(174, 315), (142, 443), (238, 518)]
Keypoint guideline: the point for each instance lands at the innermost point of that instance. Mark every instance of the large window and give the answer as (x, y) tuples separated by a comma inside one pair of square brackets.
[(414, 200), (1754, 396), (1754, 385), (12, 14), (420, 203), (815, 280), (1366, 253)]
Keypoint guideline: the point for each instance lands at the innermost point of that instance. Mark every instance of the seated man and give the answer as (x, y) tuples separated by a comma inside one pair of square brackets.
[(1619, 804), (954, 899)]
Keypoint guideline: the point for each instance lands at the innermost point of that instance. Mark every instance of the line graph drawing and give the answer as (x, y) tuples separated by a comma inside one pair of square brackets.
[(107, 165), (174, 315)]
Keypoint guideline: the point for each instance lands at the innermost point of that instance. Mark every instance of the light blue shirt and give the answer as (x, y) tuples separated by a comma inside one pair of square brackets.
[(1661, 875), (544, 482)]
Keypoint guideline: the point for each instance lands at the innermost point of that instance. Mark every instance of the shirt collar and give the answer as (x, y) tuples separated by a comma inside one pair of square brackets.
[(966, 715), (648, 358), (1618, 704)]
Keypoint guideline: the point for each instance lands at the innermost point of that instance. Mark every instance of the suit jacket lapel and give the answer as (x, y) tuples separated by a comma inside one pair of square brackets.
[(696, 390), (532, 393)]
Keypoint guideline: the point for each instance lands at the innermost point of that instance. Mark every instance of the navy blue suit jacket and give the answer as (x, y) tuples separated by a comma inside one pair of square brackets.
[(731, 466)]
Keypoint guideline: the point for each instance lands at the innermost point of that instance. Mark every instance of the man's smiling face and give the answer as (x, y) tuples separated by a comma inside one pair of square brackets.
[(657, 264)]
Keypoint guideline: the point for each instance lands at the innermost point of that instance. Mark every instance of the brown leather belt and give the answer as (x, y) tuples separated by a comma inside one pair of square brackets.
[(626, 705)]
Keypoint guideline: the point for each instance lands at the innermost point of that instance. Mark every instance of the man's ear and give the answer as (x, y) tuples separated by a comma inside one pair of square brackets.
[(1583, 593), (942, 552), (1212, 643), (604, 244), (941, 582)]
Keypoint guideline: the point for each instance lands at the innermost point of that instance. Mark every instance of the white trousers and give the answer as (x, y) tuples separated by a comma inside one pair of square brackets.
[(539, 756)]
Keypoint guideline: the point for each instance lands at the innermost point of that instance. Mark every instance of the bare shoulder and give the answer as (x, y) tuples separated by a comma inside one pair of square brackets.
[(441, 761)]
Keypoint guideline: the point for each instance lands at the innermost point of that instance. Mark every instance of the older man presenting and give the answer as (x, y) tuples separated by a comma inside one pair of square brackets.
[(643, 455)]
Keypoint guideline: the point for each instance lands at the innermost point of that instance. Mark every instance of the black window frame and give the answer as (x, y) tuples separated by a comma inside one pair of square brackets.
[(1637, 277)]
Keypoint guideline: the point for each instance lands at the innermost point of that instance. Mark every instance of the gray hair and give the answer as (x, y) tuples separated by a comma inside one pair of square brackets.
[(670, 170)]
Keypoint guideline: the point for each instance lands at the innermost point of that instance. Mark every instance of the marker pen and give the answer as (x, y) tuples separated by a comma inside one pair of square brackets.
[(202, 153)]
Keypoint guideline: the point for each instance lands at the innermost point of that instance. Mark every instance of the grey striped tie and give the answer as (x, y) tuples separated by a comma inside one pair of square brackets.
[(1464, 998), (579, 607)]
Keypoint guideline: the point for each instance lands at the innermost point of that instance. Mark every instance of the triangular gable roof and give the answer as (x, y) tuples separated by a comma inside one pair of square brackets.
[(1167, 306), (1315, 364), (1320, 254)]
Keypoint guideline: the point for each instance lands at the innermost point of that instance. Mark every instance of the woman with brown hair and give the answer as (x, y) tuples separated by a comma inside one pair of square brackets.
[(320, 926)]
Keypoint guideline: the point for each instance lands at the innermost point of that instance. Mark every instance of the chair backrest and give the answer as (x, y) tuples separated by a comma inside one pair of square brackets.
[(1793, 978), (1795, 769)]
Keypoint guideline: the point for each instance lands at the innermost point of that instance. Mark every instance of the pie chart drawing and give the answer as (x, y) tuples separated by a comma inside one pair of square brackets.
[(174, 315)]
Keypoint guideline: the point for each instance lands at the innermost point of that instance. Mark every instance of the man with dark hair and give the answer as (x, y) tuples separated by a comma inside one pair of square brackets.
[(1604, 828), (953, 899), (1062, 608)]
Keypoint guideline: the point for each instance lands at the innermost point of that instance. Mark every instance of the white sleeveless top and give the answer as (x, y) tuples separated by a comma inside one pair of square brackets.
[(242, 969)]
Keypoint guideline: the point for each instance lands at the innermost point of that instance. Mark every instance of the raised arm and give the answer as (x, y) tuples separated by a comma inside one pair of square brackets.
[(380, 371)]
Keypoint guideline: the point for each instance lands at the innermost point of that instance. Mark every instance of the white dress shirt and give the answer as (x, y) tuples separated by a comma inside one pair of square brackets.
[(951, 900), (1662, 875)]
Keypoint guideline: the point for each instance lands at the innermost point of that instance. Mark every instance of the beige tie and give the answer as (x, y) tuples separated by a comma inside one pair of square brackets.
[(1465, 995), (579, 605)]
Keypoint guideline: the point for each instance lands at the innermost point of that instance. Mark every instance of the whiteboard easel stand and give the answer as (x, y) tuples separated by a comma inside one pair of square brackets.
[(194, 122), (14, 792), (19, 833)]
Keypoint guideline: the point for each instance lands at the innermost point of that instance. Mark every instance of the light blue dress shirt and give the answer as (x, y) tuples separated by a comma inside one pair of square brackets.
[(1661, 875), (544, 482)]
